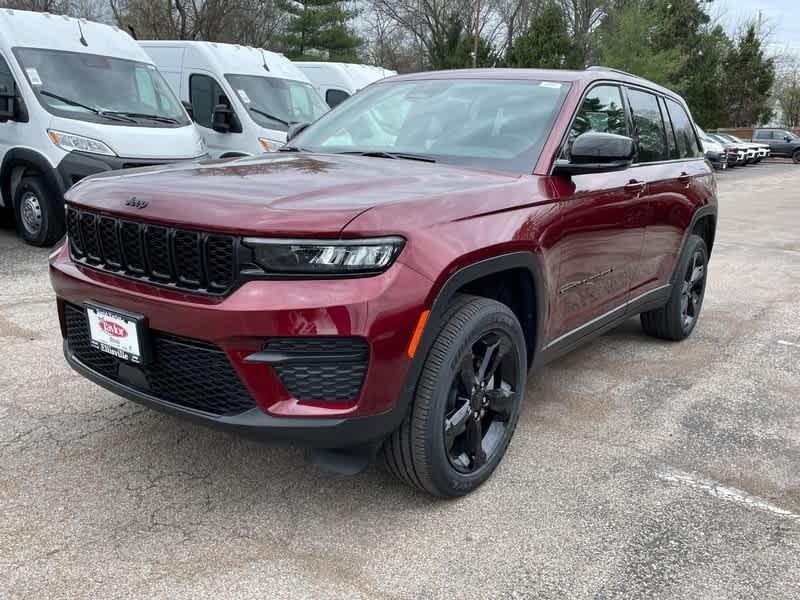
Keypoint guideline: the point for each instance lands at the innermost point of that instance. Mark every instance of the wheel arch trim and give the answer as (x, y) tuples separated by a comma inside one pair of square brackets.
[(30, 158)]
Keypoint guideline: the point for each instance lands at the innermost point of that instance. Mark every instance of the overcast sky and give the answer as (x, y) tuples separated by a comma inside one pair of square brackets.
[(782, 17)]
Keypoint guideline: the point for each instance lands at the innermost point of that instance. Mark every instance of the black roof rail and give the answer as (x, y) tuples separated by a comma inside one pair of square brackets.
[(619, 71)]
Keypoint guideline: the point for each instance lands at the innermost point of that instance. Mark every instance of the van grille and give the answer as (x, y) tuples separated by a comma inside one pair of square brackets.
[(178, 258)]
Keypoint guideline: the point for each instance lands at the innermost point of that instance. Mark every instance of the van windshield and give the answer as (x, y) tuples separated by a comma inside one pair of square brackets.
[(277, 103), (101, 89), (490, 124)]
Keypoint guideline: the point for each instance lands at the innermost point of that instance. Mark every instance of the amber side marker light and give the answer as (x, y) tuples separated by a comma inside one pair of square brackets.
[(412, 345)]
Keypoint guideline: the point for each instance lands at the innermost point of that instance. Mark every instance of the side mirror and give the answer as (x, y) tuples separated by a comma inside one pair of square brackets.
[(223, 118), (787, 138), (294, 130), (188, 107), (596, 152)]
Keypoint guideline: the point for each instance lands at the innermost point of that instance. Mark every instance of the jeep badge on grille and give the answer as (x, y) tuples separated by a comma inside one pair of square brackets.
[(136, 203)]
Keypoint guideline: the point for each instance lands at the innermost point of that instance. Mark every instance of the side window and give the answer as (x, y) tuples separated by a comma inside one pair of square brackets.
[(766, 135), (684, 132), (602, 110), (6, 78), (649, 126), (672, 144), (204, 95), (334, 97)]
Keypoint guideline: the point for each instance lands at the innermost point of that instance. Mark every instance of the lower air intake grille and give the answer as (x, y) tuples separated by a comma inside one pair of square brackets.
[(321, 368), (186, 372)]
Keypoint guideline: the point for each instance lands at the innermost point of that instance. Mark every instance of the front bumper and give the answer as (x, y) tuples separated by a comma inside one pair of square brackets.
[(383, 310)]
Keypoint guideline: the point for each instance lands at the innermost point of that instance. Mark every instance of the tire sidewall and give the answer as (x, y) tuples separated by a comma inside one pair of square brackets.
[(796, 157), (442, 473)]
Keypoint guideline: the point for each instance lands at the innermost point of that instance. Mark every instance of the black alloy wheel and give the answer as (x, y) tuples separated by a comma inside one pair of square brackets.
[(481, 401)]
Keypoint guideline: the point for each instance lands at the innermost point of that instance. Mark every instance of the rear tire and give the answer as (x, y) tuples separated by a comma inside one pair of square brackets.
[(467, 402), (796, 157), (37, 214), (677, 318)]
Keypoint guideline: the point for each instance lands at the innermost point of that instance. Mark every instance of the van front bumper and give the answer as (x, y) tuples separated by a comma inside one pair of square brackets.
[(77, 165)]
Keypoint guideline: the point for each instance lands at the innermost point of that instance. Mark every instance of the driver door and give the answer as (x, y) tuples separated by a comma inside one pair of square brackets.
[(204, 94)]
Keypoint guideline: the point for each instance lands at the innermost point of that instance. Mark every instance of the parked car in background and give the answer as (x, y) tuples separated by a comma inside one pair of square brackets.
[(782, 142), (77, 98), (720, 155), (391, 282), (336, 82), (749, 152), (243, 99), (760, 151)]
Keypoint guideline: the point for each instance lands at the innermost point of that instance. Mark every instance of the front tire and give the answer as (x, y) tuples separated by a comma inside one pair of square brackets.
[(36, 212), (796, 157), (467, 402), (676, 320)]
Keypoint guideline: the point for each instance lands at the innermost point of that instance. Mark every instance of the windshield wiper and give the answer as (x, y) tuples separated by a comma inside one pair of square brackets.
[(403, 155), (135, 115), (92, 109), (291, 149), (269, 116)]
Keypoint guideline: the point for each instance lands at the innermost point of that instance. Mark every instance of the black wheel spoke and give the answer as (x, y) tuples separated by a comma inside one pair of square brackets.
[(475, 443), (492, 359), (456, 424), (501, 401), (467, 373)]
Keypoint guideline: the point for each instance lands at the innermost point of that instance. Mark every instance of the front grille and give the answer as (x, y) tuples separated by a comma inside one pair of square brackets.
[(321, 368), (182, 371), (179, 258)]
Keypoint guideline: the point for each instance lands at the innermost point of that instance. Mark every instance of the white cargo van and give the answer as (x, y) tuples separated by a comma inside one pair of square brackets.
[(244, 99), (336, 82), (77, 98)]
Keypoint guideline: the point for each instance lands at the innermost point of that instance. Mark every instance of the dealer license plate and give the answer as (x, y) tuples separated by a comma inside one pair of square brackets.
[(116, 332)]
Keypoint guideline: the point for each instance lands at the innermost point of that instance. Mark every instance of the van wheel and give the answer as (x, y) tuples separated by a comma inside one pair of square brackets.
[(38, 219), (676, 320), (467, 401)]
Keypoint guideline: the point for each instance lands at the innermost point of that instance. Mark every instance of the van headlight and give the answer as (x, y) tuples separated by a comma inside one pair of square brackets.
[(70, 141), (325, 257), (269, 145)]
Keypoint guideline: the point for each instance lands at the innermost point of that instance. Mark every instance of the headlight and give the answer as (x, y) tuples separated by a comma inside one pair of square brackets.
[(70, 141), (325, 257), (269, 145)]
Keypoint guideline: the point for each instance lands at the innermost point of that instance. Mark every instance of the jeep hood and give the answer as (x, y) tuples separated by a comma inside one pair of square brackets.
[(281, 194)]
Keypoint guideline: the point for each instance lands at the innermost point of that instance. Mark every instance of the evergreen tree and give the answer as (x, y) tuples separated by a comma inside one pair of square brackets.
[(546, 43), (749, 76), (320, 26)]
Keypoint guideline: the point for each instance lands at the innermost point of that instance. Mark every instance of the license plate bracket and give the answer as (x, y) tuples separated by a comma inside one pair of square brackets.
[(117, 332)]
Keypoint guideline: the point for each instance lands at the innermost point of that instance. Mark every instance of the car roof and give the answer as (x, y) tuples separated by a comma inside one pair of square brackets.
[(583, 77)]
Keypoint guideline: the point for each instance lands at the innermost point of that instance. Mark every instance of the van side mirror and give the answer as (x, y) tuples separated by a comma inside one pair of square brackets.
[(294, 130), (188, 108), (223, 120), (597, 152)]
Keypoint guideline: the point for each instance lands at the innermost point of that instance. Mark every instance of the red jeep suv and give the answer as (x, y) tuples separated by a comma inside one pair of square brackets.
[(390, 277)]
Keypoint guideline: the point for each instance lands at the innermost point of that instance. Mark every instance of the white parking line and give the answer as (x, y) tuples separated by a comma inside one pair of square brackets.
[(723, 492), (785, 343)]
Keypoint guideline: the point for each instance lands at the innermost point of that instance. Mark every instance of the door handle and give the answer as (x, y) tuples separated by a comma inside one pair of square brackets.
[(634, 186), (685, 179)]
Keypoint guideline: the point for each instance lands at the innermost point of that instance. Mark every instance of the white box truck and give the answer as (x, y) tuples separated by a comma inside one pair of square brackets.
[(77, 98), (243, 99), (336, 82)]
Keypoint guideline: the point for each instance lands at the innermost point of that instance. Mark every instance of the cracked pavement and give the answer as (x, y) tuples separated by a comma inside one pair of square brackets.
[(639, 468)]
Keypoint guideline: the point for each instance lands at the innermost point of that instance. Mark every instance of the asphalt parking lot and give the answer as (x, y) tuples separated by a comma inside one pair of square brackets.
[(639, 468)]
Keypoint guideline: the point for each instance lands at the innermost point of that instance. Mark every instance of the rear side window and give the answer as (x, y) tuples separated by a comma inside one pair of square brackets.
[(334, 97), (603, 111), (672, 144), (649, 126), (204, 95), (765, 135), (684, 132)]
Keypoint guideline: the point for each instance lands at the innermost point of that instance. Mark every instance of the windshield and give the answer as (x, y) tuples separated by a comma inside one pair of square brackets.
[(489, 124), (101, 88), (277, 103)]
